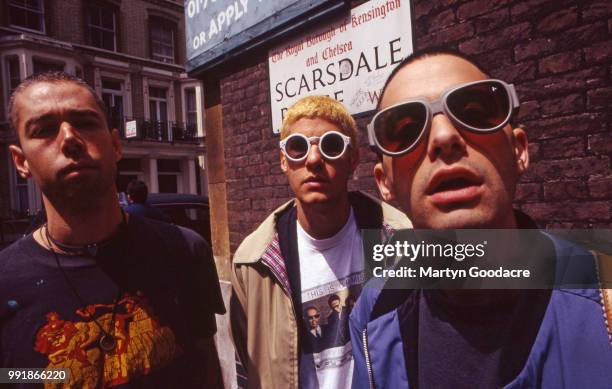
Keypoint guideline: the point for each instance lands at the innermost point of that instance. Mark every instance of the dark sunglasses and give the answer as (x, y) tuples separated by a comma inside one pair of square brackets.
[(332, 145), (481, 106)]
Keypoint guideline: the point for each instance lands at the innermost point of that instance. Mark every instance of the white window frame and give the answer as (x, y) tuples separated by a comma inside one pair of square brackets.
[(199, 104), (172, 27), (40, 12), (91, 26)]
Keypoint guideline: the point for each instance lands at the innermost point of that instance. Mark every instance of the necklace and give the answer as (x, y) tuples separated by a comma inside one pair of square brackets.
[(90, 249), (107, 341)]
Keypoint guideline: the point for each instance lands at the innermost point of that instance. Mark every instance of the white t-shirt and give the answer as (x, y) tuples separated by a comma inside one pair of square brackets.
[(331, 275)]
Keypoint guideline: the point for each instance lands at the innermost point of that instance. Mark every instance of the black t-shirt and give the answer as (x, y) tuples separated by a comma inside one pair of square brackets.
[(154, 286)]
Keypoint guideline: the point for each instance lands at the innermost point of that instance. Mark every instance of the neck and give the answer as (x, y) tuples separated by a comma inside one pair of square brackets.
[(323, 220), (94, 223)]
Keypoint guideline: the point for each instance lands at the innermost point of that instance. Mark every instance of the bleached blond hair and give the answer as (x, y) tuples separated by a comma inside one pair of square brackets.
[(321, 107)]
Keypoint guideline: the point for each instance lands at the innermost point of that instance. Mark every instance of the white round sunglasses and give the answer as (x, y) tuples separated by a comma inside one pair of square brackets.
[(332, 145)]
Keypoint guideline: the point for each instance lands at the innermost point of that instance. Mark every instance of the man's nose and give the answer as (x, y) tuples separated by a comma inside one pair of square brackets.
[(71, 142), (314, 159), (445, 140)]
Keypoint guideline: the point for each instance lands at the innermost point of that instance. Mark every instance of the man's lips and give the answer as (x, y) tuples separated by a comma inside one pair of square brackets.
[(315, 180), (76, 167), (454, 185)]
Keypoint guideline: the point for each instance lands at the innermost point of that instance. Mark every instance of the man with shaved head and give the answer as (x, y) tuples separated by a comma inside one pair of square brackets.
[(111, 298), (450, 157)]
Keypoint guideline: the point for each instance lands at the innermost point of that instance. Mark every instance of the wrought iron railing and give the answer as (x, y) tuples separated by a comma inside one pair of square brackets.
[(158, 131)]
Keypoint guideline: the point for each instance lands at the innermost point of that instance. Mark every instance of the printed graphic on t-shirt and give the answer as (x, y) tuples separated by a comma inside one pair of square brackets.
[(326, 309), (141, 344)]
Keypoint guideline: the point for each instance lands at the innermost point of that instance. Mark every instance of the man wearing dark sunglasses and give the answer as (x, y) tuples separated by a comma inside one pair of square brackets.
[(451, 159), (294, 274)]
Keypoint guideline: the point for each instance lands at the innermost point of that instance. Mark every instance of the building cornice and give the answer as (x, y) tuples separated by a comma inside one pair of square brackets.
[(17, 38)]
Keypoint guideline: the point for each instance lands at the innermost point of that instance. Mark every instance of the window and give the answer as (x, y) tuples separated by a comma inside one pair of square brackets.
[(102, 26), (169, 175), (191, 110), (128, 169), (13, 77), (112, 95), (22, 202), (162, 40), (44, 66), (158, 113), (28, 14)]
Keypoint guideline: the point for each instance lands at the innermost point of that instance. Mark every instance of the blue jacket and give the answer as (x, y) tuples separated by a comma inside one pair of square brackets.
[(572, 348)]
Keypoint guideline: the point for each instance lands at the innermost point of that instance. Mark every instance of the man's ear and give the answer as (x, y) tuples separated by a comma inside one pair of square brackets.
[(116, 139), (521, 150), (21, 163), (384, 182), (283, 163)]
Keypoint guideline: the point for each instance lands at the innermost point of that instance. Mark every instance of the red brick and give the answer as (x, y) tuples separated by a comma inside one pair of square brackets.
[(504, 37), (559, 63), (527, 192), (534, 48), (529, 110), (495, 59), (478, 7), (243, 205), (596, 10), (599, 52), (563, 148), (600, 187), (277, 179), (565, 125), (573, 103), (518, 72), (423, 8), (599, 99), (534, 150), (601, 143), (451, 34), (543, 88), (569, 210), (565, 190), (442, 20), (492, 20), (579, 37), (559, 20), (526, 9), (567, 168)]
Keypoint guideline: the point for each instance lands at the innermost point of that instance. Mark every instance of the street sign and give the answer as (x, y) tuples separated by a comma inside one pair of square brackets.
[(348, 59), (130, 129)]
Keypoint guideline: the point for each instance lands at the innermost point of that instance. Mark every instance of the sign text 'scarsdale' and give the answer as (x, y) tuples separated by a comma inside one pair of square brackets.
[(348, 59)]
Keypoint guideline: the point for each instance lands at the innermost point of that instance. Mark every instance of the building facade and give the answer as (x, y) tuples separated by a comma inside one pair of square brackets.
[(132, 53), (556, 53)]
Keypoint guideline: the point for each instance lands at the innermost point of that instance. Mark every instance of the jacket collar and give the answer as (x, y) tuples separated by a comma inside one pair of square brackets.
[(370, 212)]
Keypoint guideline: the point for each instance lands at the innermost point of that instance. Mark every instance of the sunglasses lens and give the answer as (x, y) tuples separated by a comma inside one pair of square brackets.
[(332, 145), (296, 147), (482, 106), (398, 128)]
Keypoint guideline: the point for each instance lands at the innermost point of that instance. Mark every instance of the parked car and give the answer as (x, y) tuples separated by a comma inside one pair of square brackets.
[(187, 210)]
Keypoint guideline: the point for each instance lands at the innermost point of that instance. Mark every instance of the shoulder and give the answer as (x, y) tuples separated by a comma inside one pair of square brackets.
[(11, 256), (369, 207), (256, 243), (153, 233)]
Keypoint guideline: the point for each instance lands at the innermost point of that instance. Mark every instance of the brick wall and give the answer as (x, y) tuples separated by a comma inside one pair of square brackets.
[(559, 55)]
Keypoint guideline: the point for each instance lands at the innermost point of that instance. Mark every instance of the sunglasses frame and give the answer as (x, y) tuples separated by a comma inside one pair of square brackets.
[(433, 108), (315, 139)]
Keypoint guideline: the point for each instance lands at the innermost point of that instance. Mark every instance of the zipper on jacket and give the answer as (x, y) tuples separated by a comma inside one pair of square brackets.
[(366, 353)]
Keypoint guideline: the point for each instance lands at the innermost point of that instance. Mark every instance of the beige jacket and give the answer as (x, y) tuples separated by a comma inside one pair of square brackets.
[(264, 326)]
